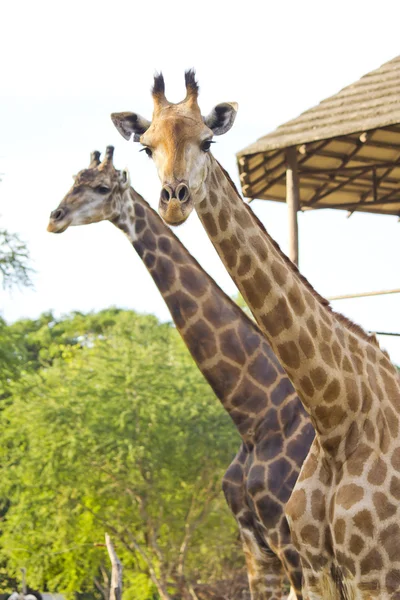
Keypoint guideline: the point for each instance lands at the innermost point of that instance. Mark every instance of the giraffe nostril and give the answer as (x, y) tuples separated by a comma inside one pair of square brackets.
[(166, 194), (57, 214), (182, 192)]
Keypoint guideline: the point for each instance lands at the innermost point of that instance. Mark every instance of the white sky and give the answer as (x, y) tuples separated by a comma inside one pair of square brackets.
[(67, 66)]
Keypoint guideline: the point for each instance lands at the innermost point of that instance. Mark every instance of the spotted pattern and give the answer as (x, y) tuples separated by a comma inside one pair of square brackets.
[(344, 512), (244, 373)]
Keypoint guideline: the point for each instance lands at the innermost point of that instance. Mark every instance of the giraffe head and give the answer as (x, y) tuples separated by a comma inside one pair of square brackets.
[(96, 194), (178, 139)]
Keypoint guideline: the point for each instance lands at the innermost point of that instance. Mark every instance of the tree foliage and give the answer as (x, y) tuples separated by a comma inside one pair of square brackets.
[(15, 266), (110, 427)]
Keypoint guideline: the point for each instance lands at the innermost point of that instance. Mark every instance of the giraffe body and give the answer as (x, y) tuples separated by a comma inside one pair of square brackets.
[(234, 357), (344, 512)]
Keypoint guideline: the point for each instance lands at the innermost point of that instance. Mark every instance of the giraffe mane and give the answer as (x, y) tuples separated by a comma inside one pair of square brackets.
[(353, 327)]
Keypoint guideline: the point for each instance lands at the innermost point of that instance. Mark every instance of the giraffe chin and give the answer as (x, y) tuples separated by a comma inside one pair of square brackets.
[(175, 212), (58, 227)]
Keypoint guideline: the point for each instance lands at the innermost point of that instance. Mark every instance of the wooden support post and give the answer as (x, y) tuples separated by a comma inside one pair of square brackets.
[(116, 571), (293, 202)]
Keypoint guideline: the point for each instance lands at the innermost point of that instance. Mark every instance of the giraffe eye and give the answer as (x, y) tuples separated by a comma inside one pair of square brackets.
[(148, 151), (206, 145), (103, 189)]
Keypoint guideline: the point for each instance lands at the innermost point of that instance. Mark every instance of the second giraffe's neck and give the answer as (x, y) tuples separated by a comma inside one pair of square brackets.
[(227, 346), (322, 353)]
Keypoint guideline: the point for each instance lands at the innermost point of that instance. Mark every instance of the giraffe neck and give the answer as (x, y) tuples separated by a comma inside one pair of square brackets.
[(326, 357), (227, 346)]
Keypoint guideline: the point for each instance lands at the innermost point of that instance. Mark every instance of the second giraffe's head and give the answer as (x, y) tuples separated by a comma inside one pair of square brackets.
[(96, 195), (178, 139)]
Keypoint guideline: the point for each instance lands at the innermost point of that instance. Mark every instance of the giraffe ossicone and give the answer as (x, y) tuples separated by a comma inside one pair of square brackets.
[(233, 356), (345, 509)]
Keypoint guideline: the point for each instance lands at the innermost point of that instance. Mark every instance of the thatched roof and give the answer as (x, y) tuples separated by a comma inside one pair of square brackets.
[(348, 149)]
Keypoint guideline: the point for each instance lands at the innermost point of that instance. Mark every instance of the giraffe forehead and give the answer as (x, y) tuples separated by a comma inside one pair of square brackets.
[(174, 127), (94, 177)]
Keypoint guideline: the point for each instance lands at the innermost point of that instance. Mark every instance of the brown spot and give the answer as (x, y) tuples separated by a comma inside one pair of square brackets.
[(140, 225), (395, 487), (229, 254), (309, 467), (318, 505), (164, 244), (332, 391), (249, 397), (231, 348), (223, 377), (348, 495), (209, 224), (243, 218), (306, 343), (363, 520), (352, 394), (218, 311), (371, 353), (223, 219), (307, 386), (262, 282), (282, 391), (149, 260), (296, 301), (389, 538), (377, 473), (263, 371), (256, 480), (393, 582), (279, 272), (356, 544), (149, 240), (213, 196), (392, 422), (260, 247), (251, 295), (194, 281), (372, 562), (326, 354), (289, 354), (339, 531), (312, 326), (356, 459), (346, 365), (182, 307), (328, 417), (201, 341), (326, 332), (383, 507), (278, 319), (358, 365), (244, 265), (139, 211), (318, 377), (310, 535), (271, 511), (296, 505), (164, 274)]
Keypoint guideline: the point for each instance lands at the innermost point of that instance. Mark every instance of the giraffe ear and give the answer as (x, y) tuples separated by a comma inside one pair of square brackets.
[(124, 178), (128, 123), (222, 117)]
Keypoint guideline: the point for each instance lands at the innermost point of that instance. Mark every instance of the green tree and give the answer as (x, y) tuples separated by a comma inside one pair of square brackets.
[(114, 429)]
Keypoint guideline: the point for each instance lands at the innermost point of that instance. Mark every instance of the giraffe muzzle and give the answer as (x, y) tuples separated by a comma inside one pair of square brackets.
[(58, 223)]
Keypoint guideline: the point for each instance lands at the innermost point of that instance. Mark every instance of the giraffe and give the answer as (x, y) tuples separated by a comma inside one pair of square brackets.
[(344, 512), (232, 354)]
